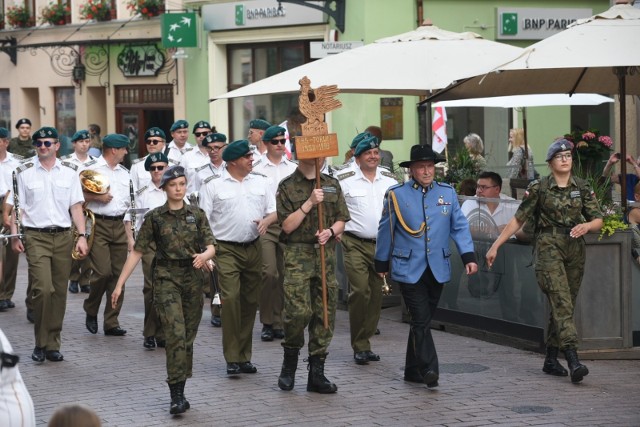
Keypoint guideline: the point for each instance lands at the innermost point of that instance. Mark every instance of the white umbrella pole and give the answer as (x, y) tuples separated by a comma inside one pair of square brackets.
[(621, 72)]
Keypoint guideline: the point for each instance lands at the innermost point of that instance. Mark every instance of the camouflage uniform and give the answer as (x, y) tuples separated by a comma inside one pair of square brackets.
[(559, 257), (177, 286), (302, 279), (21, 147)]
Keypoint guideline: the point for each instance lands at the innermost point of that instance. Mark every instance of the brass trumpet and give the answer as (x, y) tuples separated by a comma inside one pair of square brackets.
[(92, 182), (89, 221), (386, 288)]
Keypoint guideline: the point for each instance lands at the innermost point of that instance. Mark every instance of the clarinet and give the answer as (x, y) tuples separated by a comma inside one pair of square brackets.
[(133, 214), (16, 207)]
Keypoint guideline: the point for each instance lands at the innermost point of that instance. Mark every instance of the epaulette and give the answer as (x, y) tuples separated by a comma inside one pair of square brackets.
[(25, 160), (199, 168), (90, 162), (393, 187), (340, 167), (65, 157), (139, 192), (389, 174), (138, 160), (24, 167), (18, 156), (346, 175), (70, 165), (258, 174), (187, 149), (257, 162), (210, 178), (443, 184), (174, 162), (125, 169)]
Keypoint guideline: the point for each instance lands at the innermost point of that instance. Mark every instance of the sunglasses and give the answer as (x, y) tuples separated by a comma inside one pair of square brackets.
[(278, 141), (156, 168), (41, 143), (153, 141), (199, 134)]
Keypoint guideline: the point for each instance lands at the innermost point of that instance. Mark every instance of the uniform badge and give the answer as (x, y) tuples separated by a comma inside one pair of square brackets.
[(574, 194), (441, 202), (329, 189), (445, 210), (191, 219)]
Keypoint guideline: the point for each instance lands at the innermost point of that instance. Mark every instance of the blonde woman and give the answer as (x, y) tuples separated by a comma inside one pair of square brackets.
[(516, 149)]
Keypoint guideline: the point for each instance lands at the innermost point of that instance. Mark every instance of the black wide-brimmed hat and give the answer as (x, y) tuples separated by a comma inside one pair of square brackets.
[(421, 153)]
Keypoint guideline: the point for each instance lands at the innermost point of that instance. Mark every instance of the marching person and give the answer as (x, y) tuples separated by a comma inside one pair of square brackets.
[(110, 242), (257, 127), (48, 190), (240, 207), (178, 231), (80, 269), (418, 219), (564, 209), (297, 201), (156, 142), (199, 156), (275, 166), (364, 186), (21, 144), (180, 134)]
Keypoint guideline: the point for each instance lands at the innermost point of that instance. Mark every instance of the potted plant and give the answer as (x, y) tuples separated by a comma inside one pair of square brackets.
[(100, 10), (460, 167), (146, 8), (19, 17), (591, 149), (55, 13)]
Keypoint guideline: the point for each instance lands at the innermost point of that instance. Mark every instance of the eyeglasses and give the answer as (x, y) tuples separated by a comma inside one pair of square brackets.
[(153, 141), (278, 141), (156, 168), (199, 134), (213, 148), (484, 187), (41, 143), (563, 157)]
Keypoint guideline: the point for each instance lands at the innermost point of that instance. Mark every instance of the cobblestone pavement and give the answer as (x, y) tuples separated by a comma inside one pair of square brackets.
[(480, 384)]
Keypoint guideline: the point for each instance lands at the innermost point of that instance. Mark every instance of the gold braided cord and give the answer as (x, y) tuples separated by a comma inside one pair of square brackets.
[(396, 208)]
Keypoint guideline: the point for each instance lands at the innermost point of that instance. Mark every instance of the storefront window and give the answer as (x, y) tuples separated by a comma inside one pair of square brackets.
[(65, 117), (5, 109)]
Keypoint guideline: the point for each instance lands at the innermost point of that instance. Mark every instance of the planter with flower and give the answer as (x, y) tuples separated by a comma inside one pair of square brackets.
[(56, 14), (591, 149), (19, 17), (99, 10), (146, 8)]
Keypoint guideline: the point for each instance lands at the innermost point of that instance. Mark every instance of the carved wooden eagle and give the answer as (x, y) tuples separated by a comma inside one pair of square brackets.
[(315, 103)]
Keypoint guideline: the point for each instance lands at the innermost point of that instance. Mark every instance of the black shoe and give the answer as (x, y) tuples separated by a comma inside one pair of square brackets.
[(115, 332), (73, 287), (149, 343), (54, 356), (267, 333), (91, 322), (361, 357), (413, 379), (247, 368), (3, 305), (30, 315), (431, 379), (377, 331), (9, 303), (216, 321), (85, 289), (371, 356), (38, 354), (233, 369), (161, 343), (278, 333)]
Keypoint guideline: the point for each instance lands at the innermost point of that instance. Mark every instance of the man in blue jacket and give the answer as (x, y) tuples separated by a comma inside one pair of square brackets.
[(418, 218)]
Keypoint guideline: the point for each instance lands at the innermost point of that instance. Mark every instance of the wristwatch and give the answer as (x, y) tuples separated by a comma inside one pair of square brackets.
[(333, 234), (85, 235)]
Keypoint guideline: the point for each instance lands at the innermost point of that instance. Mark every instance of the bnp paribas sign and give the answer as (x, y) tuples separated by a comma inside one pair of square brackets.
[(519, 23)]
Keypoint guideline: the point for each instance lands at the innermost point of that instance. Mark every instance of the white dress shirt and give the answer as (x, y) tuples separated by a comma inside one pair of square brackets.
[(275, 172), (141, 177), (118, 187)]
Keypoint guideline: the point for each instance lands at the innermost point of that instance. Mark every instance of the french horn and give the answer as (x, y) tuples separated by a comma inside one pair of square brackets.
[(96, 183)]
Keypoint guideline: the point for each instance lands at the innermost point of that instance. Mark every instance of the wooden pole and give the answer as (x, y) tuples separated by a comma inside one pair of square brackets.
[(323, 272)]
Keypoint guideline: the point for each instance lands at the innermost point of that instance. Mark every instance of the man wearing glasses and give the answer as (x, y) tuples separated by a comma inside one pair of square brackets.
[(240, 207), (48, 190), (199, 156), (275, 166), (110, 242), (155, 141)]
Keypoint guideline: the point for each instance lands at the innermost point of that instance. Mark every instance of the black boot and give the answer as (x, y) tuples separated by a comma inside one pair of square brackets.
[(184, 398), (317, 381), (177, 398), (577, 369), (289, 367), (551, 364)]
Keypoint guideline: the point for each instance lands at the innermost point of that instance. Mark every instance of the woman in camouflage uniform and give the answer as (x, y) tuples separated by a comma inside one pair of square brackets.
[(179, 232)]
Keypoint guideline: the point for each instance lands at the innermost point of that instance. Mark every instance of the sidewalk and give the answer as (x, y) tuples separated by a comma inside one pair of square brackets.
[(480, 383)]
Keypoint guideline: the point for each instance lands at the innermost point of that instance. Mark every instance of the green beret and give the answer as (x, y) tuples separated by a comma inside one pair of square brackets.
[(115, 140), (45, 132), (214, 137), (272, 132), (367, 144), (557, 146), (235, 150), (201, 124), (23, 122), (4, 133), (180, 124), (359, 137), (259, 124), (155, 158), (155, 131), (172, 173), (81, 134)]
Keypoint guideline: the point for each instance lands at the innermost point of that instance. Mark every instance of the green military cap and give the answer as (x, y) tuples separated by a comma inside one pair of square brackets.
[(359, 137), (272, 132), (81, 134), (179, 124), (235, 150), (214, 137), (23, 122), (172, 173), (4, 133), (201, 124), (259, 124), (45, 132), (155, 158), (367, 144), (155, 131), (115, 140), (557, 146)]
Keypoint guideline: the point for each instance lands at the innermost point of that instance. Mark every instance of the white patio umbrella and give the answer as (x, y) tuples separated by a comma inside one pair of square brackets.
[(595, 55), (413, 63)]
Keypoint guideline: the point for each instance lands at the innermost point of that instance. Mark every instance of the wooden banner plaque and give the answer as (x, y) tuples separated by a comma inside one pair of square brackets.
[(312, 147)]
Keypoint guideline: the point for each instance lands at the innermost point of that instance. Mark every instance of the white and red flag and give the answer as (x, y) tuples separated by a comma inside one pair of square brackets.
[(287, 144), (439, 128)]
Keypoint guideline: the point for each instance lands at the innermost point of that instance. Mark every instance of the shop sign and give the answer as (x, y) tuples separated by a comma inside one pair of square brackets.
[(322, 49), (516, 23), (259, 14), (140, 61), (179, 29)]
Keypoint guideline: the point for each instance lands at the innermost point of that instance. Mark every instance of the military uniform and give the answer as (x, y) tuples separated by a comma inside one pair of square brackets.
[(21, 147), (177, 286), (559, 258), (203, 172), (191, 161), (185, 149), (140, 177)]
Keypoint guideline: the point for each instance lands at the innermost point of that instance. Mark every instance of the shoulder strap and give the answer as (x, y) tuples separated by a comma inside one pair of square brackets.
[(166, 150)]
